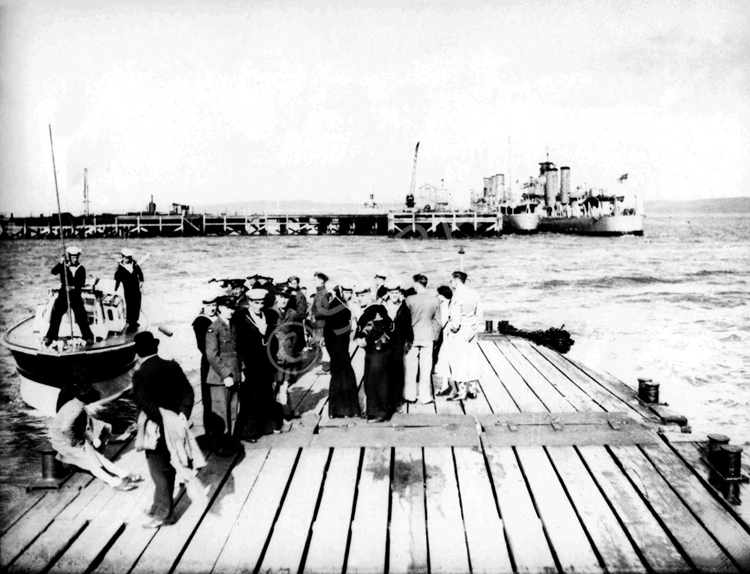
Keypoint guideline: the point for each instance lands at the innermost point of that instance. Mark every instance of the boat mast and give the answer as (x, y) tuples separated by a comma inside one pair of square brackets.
[(62, 234)]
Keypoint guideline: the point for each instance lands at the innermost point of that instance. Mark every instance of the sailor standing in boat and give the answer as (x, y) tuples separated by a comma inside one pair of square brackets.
[(130, 275), (74, 280)]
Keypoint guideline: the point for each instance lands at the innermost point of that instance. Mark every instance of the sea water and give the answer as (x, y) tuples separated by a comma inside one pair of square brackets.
[(671, 305)]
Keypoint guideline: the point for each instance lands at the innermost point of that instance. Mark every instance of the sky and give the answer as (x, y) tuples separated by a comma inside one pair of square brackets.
[(202, 103)]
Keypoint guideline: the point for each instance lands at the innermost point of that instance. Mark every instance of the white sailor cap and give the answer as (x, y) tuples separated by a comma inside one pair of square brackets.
[(257, 294), (73, 250), (126, 252)]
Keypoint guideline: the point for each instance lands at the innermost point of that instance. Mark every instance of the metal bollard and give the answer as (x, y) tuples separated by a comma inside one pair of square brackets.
[(52, 469), (488, 326), (648, 391), (715, 442), (732, 455)]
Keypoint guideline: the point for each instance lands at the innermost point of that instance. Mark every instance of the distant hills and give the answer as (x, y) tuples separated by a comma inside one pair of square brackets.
[(719, 205)]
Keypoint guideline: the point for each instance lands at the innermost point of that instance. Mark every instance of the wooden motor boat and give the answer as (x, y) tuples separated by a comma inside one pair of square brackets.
[(106, 364)]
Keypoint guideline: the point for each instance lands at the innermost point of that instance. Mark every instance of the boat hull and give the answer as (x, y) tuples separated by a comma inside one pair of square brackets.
[(607, 225), (521, 223)]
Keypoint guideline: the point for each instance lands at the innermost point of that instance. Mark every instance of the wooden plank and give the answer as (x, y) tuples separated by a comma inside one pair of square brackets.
[(250, 533), (619, 389), (291, 530), (484, 529), (26, 530), (302, 387), (168, 543), (564, 419), (646, 532), (580, 379), (608, 536), (445, 527), (377, 436), (542, 388), (570, 435), (693, 455), (370, 525), (522, 395), (330, 531), (495, 393), (444, 406), (11, 515), (216, 526), (404, 420), (695, 541), (575, 396), (316, 398), (408, 540), (714, 517), (48, 546), (523, 528), (565, 531)]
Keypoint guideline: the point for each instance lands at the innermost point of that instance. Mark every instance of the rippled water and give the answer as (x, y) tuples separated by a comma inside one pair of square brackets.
[(672, 305)]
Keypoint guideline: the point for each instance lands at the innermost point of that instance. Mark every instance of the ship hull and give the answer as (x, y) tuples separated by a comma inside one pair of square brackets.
[(608, 225), (522, 223)]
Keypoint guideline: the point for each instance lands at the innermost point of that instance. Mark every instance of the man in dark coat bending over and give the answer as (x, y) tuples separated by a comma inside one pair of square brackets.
[(160, 384)]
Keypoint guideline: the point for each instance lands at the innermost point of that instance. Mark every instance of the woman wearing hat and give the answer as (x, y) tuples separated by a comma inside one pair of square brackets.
[(343, 399), (130, 275), (73, 277), (373, 330)]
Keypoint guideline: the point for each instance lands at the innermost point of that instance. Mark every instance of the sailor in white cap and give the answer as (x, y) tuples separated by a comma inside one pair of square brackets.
[(200, 327), (130, 275), (73, 281)]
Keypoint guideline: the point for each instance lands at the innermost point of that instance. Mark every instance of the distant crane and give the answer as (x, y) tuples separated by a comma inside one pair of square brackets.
[(86, 191), (410, 197)]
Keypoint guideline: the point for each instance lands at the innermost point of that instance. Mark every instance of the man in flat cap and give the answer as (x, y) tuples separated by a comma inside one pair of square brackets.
[(318, 313), (73, 278), (464, 324), (160, 384), (224, 377), (425, 316), (130, 275)]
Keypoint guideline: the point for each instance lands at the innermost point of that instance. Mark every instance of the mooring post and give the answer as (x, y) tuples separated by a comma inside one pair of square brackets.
[(488, 325), (52, 469), (648, 391), (391, 225), (715, 442)]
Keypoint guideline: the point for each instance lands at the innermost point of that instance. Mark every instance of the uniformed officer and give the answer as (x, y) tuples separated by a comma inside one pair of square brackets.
[(225, 375), (74, 279), (129, 273)]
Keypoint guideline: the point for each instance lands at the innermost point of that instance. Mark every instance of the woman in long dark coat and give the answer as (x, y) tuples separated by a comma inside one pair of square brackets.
[(343, 400), (372, 334)]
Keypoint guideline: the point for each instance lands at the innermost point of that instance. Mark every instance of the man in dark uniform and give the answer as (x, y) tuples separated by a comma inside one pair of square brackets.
[(319, 312), (130, 275), (200, 326), (74, 279), (160, 384), (265, 282), (225, 375), (259, 412)]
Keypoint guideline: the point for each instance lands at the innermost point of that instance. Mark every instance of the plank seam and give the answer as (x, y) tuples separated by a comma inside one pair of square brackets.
[(708, 486), (461, 507), (512, 398), (278, 512), (426, 510), (390, 512), (354, 509), (63, 550), (655, 514), (103, 552), (611, 505), (306, 548), (521, 376), (552, 548), (692, 512)]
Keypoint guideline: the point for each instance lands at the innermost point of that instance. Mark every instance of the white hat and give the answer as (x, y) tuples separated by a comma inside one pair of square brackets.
[(211, 293), (126, 252), (257, 294), (73, 250), (392, 284)]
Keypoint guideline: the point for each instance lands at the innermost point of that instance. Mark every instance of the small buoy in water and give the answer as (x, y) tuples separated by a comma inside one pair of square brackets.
[(166, 331)]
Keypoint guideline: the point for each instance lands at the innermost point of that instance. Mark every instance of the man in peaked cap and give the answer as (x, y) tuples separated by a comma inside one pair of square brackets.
[(200, 327), (73, 279), (130, 275), (224, 377)]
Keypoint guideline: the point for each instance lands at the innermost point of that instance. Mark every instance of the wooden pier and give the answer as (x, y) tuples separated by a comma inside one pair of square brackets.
[(553, 468), (413, 225)]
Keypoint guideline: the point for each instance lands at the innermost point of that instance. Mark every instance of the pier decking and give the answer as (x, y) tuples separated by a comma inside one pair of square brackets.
[(553, 468)]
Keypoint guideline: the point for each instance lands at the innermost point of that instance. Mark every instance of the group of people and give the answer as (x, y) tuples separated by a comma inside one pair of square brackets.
[(254, 339), (73, 279)]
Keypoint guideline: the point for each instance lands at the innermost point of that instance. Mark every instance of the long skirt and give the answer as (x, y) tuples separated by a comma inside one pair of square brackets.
[(377, 386), (259, 412), (396, 374), (343, 398)]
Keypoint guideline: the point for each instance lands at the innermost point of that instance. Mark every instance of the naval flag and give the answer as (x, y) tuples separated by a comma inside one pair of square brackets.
[(623, 176)]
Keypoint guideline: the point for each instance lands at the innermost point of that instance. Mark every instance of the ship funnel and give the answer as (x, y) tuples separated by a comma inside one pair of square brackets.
[(564, 185), (500, 178), (551, 186)]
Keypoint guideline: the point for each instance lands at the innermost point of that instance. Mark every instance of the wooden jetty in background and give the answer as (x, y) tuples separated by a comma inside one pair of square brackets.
[(553, 468), (405, 224)]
